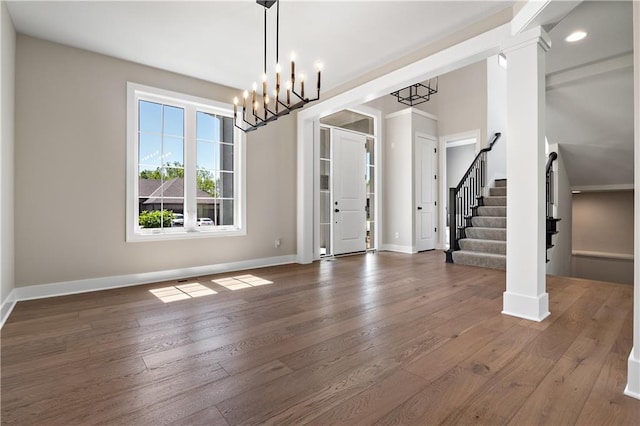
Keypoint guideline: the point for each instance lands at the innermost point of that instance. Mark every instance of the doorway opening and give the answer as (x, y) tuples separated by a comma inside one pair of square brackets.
[(459, 152), (347, 184)]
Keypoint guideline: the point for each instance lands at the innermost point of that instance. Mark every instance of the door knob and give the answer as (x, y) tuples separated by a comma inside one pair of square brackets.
[(419, 207), (337, 210)]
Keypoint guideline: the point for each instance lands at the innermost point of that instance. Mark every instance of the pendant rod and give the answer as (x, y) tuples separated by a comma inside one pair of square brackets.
[(265, 40), (277, 31)]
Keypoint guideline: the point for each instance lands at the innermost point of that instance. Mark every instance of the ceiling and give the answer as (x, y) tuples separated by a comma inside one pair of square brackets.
[(590, 114), (222, 41)]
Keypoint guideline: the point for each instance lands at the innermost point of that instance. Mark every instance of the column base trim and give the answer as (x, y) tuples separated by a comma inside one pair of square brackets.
[(633, 376), (527, 307)]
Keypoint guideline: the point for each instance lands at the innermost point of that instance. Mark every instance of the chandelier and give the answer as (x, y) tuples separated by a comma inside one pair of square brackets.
[(258, 112), (416, 93)]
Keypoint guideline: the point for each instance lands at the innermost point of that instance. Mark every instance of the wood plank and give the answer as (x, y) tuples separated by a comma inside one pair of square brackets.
[(495, 401), (450, 392), (386, 338), (190, 406), (374, 402), (606, 403)]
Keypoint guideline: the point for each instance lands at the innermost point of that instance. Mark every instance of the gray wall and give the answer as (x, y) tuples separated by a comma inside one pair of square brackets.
[(462, 101), (459, 159), (7, 146), (70, 172), (389, 104), (603, 223)]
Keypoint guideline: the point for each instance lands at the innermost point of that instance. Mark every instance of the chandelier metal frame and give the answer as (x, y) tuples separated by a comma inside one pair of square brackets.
[(263, 114), (416, 93)]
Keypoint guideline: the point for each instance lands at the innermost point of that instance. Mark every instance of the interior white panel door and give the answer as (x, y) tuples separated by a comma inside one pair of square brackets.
[(425, 195), (349, 214)]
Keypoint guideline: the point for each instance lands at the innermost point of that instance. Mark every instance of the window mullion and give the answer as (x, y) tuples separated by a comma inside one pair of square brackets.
[(191, 203)]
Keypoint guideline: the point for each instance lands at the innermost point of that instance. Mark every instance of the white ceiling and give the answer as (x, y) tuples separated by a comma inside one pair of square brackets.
[(222, 41), (591, 118)]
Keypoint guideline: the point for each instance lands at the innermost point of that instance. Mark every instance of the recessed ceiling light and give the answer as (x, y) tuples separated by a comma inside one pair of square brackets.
[(576, 36)]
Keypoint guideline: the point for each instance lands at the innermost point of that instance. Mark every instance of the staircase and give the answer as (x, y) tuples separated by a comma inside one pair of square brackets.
[(485, 237)]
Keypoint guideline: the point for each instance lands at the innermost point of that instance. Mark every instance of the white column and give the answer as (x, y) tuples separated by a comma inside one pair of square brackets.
[(526, 295), (305, 217), (633, 373)]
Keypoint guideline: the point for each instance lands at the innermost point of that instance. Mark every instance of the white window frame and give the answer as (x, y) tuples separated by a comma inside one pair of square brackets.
[(190, 104)]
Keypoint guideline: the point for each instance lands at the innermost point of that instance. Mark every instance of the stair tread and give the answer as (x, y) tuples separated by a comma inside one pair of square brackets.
[(481, 254), (482, 228), (482, 241)]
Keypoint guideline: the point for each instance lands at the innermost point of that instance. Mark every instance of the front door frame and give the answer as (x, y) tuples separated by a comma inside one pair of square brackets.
[(377, 129)]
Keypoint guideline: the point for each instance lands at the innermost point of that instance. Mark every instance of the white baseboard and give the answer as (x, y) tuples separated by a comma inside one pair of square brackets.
[(7, 306), (398, 248), (633, 376), (527, 307), (95, 284)]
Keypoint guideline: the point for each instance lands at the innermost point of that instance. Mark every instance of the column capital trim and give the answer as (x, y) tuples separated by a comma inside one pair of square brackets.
[(534, 36)]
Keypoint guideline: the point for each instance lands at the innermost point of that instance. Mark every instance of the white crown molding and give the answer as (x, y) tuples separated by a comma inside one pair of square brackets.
[(411, 110), (593, 69), (540, 12)]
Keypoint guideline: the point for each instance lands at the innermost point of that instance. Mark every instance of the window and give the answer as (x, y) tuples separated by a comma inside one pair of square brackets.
[(185, 165)]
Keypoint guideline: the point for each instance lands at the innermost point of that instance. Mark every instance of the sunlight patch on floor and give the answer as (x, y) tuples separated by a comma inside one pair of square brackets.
[(241, 281), (181, 292)]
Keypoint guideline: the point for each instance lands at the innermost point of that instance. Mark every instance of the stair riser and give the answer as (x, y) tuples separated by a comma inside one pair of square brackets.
[(494, 211), (496, 234), (494, 201), (500, 183), (489, 222), (498, 192), (471, 259), (484, 246)]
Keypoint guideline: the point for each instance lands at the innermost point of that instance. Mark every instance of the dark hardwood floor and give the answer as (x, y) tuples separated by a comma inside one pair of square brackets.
[(374, 339)]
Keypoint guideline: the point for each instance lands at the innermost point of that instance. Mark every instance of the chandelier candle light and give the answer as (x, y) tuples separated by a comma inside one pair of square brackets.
[(263, 114)]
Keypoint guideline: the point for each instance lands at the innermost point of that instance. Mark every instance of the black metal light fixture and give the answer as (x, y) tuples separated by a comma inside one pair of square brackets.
[(416, 93), (270, 110)]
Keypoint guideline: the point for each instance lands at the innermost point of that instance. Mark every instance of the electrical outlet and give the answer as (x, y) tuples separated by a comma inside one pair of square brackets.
[(277, 243), (397, 235)]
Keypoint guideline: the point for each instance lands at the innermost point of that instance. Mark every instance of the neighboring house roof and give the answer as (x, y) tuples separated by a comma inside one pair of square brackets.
[(168, 191)]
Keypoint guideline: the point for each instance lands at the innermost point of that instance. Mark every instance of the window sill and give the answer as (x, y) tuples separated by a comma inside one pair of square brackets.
[(185, 235)]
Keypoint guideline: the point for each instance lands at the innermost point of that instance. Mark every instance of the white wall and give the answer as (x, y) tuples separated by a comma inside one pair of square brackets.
[(398, 180), (603, 236), (560, 255), (7, 147), (496, 118), (70, 172)]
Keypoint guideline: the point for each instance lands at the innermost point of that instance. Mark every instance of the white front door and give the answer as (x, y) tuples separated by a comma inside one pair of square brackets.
[(349, 201), (425, 195)]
